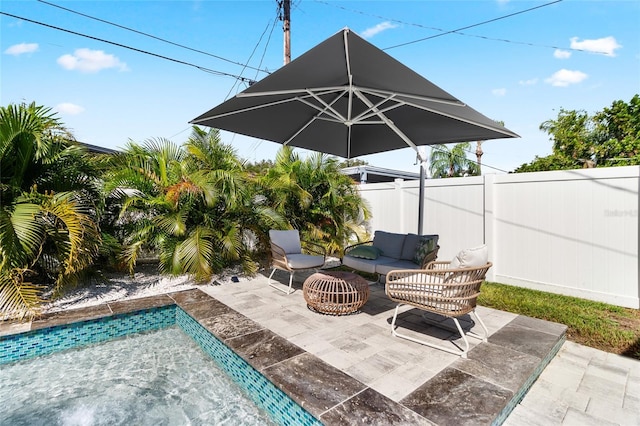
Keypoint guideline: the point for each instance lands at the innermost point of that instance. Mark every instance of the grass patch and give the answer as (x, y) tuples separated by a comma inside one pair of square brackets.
[(598, 325)]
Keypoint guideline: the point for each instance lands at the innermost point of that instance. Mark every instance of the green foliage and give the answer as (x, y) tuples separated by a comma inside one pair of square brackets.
[(609, 138), (48, 226), (194, 205), (600, 325), (315, 198), (452, 162)]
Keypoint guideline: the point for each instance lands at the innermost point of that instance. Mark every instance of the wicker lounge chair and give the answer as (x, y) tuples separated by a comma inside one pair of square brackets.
[(287, 255), (441, 289)]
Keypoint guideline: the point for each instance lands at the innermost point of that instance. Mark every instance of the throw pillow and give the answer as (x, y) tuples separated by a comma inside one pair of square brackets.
[(365, 252), (471, 258), (427, 244)]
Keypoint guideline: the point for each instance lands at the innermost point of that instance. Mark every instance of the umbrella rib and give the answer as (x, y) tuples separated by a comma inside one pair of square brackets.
[(328, 106), (387, 121), (383, 93), (251, 108), (314, 118), (370, 113)]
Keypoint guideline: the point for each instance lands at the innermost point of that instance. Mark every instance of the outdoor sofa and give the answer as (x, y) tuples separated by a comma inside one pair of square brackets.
[(388, 251)]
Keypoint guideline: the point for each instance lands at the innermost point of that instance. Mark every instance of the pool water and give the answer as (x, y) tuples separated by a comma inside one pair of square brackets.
[(153, 378)]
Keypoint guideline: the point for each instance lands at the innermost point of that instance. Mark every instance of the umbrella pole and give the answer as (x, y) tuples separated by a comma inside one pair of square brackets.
[(421, 199)]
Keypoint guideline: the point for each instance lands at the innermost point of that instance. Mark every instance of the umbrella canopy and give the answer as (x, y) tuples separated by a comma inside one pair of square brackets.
[(348, 98)]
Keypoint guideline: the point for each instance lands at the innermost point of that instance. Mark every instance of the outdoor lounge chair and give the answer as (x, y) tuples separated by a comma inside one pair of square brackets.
[(449, 289), (287, 255)]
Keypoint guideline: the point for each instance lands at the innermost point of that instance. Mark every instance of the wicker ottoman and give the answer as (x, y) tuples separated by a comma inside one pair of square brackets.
[(335, 293)]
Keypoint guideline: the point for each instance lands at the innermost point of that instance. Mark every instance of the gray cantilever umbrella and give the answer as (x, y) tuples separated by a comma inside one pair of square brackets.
[(348, 98)]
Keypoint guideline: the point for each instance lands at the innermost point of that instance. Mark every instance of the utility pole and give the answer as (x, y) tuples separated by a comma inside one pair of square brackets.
[(286, 27), (479, 155)]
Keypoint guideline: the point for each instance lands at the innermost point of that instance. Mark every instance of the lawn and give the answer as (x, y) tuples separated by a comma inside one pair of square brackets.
[(598, 325)]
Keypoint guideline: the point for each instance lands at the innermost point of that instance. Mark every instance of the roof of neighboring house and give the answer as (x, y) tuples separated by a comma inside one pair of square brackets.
[(95, 149), (372, 174)]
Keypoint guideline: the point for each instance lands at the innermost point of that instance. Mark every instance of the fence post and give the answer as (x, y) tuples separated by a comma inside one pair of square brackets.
[(489, 206)]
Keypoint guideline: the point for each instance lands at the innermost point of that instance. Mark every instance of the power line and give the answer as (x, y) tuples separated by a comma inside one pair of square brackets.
[(152, 36), (209, 70), (458, 31), (475, 25)]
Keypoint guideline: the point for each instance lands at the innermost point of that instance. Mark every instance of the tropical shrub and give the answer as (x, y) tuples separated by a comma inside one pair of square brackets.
[(48, 230)]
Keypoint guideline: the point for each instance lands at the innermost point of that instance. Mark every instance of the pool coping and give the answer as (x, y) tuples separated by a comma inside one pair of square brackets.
[(331, 395)]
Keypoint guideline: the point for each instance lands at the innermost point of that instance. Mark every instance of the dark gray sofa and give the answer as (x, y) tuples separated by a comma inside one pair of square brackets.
[(395, 251)]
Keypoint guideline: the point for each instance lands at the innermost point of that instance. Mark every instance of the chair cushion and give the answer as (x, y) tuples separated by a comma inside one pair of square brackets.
[(426, 245), (304, 261), (360, 264), (289, 240), (365, 252), (471, 258), (409, 246), (385, 268), (389, 243)]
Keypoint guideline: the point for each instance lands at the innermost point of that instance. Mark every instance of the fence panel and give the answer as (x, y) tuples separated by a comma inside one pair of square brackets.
[(570, 232)]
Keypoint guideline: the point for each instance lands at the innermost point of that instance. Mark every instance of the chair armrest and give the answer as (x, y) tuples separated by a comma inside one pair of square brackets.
[(347, 249), (314, 248)]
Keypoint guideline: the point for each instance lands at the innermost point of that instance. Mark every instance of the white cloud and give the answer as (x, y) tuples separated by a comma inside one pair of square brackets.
[(19, 49), (606, 45), (529, 82), (499, 92), (370, 32), (561, 54), (87, 60), (564, 77), (69, 108)]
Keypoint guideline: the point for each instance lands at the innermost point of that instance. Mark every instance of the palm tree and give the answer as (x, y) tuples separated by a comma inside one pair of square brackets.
[(452, 162), (192, 205), (48, 227), (318, 200)]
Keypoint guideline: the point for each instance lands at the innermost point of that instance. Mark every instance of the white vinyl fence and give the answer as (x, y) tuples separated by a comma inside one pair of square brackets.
[(571, 232)]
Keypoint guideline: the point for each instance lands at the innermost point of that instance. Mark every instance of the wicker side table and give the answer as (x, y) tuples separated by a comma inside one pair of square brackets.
[(335, 293)]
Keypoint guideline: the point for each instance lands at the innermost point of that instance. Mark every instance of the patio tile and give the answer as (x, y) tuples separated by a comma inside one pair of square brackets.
[(189, 296), (263, 348), (305, 378), (371, 369), (228, 325), (524, 339), (579, 418), (372, 408), (131, 305), (623, 415), (456, 398), (498, 365), (70, 315), (604, 389), (206, 309)]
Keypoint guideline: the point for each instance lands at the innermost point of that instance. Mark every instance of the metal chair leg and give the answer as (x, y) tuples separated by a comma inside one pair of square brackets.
[(462, 353), (288, 291)]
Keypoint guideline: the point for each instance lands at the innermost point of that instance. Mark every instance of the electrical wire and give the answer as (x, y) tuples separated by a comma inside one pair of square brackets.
[(152, 36), (458, 31), (201, 68), (476, 25)]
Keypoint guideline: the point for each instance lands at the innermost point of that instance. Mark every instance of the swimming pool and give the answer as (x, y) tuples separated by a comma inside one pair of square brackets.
[(279, 407), (150, 378)]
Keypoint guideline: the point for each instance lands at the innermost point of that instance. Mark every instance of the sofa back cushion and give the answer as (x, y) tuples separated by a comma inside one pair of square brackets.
[(389, 243), (409, 246)]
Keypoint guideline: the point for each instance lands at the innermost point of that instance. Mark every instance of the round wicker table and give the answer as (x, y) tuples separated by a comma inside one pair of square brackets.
[(335, 293)]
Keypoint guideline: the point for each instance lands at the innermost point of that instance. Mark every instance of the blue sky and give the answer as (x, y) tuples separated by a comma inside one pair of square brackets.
[(520, 70)]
